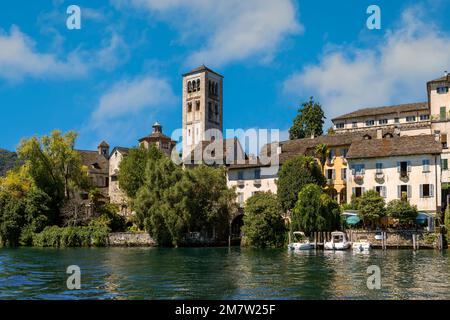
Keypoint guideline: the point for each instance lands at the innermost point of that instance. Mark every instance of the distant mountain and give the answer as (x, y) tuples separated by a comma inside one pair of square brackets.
[(8, 160)]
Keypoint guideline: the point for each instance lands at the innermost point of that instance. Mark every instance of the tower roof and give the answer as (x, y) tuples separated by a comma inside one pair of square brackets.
[(103, 144), (199, 69)]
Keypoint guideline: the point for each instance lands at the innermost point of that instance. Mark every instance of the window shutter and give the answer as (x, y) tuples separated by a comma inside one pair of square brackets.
[(363, 170), (409, 166), (398, 166), (383, 191), (399, 192), (431, 190), (353, 191), (421, 190), (363, 190), (409, 191), (333, 174)]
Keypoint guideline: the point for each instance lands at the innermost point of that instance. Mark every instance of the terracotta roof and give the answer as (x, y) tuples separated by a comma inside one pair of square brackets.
[(122, 150), (103, 144), (396, 146), (201, 69), (157, 136), (395, 109)]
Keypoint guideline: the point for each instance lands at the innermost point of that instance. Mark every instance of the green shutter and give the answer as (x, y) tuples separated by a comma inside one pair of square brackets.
[(444, 164), (443, 113)]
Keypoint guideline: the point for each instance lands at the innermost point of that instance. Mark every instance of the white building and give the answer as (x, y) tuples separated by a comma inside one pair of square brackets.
[(399, 167)]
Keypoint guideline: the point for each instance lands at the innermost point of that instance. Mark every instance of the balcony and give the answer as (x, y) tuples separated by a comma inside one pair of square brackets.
[(257, 182), (379, 176), (241, 183), (358, 178)]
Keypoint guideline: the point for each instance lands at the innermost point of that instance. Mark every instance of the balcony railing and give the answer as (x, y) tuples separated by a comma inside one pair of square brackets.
[(257, 182), (241, 183)]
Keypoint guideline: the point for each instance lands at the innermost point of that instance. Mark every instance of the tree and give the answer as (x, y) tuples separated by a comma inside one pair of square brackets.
[(321, 151), (263, 222), (309, 121), (54, 165), (132, 169), (447, 223), (401, 210), (293, 176), (371, 206), (331, 131), (315, 211), (8, 160)]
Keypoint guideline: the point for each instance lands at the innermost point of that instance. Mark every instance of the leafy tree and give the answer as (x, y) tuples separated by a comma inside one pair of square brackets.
[(294, 175), (132, 169), (371, 206), (54, 165), (447, 223), (401, 210), (315, 211), (353, 205), (331, 131), (263, 222), (321, 152), (8, 161), (309, 120)]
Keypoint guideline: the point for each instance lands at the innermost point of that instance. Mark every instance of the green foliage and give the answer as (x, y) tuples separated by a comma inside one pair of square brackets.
[(371, 206), (315, 211), (447, 222), (263, 222), (331, 131), (353, 205), (132, 166), (55, 236), (54, 166), (173, 202), (294, 175), (321, 151), (401, 210), (309, 120)]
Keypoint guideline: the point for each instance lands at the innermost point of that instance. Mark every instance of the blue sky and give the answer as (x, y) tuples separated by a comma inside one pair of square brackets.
[(122, 71)]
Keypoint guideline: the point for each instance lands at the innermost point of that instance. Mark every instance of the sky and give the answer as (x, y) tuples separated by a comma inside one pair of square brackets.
[(121, 72)]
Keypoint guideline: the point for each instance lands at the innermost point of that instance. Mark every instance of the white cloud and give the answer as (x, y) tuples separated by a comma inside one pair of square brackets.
[(395, 70), (20, 59), (227, 31), (133, 96)]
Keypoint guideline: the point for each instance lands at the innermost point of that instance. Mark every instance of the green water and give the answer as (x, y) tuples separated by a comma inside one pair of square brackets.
[(220, 273)]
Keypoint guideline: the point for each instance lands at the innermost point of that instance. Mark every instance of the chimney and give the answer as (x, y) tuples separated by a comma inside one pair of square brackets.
[(379, 133)]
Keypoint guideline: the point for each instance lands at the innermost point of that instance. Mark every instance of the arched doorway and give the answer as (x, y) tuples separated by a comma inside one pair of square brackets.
[(236, 226)]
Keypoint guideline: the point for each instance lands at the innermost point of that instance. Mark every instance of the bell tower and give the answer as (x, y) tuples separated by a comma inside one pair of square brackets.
[(202, 107)]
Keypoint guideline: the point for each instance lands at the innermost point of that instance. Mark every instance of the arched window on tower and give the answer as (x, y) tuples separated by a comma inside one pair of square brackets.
[(209, 86), (216, 89), (194, 86), (198, 84), (197, 105), (189, 87), (210, 113), (189, 107)]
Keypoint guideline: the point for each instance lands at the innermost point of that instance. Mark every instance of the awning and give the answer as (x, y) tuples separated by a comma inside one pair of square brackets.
[(353, 220), (423, 217)]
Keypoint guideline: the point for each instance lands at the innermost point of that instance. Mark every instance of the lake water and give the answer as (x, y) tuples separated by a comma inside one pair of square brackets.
[(221, 273)]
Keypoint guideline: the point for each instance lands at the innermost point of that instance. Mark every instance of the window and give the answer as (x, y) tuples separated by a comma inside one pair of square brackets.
[(403, 168), (240, 198), (424, 117), (114, 178), (426, 165), (358, 191), (354, 124), (330, 174), (443, 113), (381, 190), (370, 123), (404, 191), (410, 118), (106, 182), (358, 169), (189, 87), (344, 152), (444, 140), (197, 105), (426, 190), (240, 175), (344, 174), (382, 121), (330, 155), (340, 125), (379, 167), (189, 107), (257, 173), (396, 120), (210, 111), (442, 90), (444, 164), (198, 84)]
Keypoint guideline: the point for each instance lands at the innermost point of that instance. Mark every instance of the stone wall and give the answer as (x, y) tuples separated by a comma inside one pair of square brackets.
[(131, 239), (398, 238)]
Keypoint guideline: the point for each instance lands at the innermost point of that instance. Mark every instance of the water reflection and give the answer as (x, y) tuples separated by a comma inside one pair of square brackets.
[(222, 273)]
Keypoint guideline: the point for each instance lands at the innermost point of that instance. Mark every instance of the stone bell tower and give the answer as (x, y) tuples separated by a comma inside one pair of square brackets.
[(202, 107)]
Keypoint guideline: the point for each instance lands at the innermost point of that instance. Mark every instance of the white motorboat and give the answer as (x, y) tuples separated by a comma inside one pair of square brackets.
[(362, 244), (338, 241), (301, 242)]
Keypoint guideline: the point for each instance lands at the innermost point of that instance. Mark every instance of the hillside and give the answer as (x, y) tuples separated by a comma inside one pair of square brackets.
[(7, 161)]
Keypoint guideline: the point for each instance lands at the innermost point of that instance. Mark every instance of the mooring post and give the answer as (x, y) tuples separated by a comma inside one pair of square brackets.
[(414, 241)]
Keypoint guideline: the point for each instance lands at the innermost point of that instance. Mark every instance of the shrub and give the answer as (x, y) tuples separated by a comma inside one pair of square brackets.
[(71, 237)]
